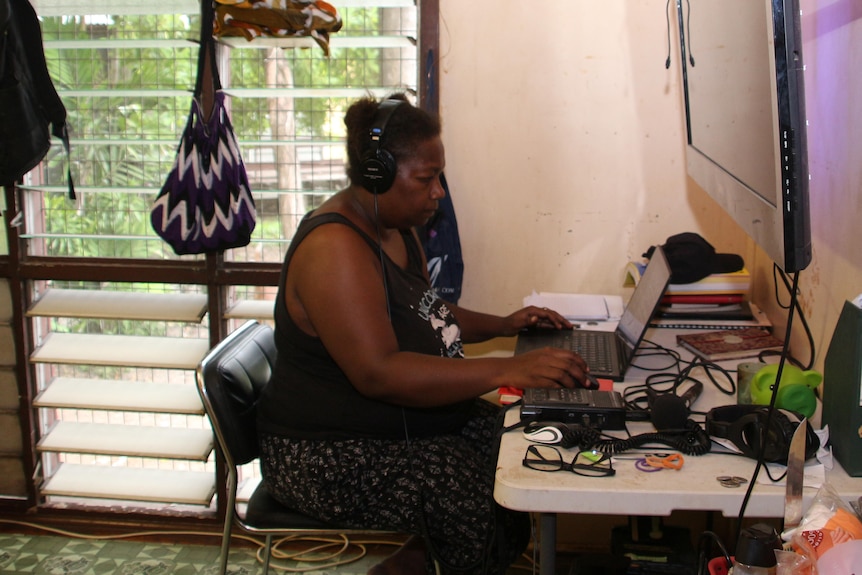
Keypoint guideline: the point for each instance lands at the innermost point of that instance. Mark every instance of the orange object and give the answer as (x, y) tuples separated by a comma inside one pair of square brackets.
[(672, 461)]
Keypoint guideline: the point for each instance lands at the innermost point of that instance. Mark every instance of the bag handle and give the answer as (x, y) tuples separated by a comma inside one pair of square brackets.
[(207, 66)]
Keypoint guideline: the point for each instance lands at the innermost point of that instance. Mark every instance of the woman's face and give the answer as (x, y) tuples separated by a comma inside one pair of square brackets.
[(414, 195)]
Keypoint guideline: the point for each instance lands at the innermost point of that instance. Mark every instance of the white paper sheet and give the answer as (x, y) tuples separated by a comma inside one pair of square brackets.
[(579, 307)]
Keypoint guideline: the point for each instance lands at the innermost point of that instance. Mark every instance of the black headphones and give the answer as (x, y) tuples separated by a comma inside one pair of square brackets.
[(377, 167), (745, 425)]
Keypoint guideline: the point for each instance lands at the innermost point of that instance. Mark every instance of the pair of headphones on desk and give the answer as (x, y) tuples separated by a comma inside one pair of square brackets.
[(749, 426), (377, 167)]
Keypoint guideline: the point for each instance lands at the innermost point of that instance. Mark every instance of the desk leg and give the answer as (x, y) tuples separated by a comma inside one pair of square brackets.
[(548, 547)]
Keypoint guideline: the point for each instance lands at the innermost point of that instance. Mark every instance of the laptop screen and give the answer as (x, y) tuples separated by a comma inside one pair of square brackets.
[(645, 299)]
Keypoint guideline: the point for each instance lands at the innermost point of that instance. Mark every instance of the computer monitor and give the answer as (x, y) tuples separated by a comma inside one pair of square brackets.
[(745, 118)]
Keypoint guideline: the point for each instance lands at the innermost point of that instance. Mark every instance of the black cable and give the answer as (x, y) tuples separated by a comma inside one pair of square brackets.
[(779, 273), (771, 411), (693, 440), (423, 518), (636, 396), (683, 33), (649, 348), (688, 32), (380, 255), (667, 18), (703, 551)]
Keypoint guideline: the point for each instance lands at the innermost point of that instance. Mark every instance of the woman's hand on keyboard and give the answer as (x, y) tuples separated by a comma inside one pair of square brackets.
[(548, 367), (532, 316)]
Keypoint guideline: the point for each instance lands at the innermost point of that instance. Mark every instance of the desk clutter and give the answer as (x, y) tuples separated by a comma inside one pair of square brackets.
[(766, 417), (707, 290), (829, 531)]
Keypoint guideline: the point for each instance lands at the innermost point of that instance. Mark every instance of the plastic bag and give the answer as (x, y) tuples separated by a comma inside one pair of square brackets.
[(828, 523)]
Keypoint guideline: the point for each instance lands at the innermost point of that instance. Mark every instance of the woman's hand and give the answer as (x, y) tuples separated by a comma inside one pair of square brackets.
[(533, 316), (548, 367)]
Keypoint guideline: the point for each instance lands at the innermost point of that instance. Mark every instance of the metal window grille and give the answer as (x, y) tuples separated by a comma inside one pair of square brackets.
[(125, 75), (125, 71)]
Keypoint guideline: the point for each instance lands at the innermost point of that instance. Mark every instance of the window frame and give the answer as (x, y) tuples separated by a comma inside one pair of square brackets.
[(213, 272)]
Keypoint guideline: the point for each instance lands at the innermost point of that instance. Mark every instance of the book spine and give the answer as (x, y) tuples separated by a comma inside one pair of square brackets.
[(670, 325), (717, 299), (703, 289)]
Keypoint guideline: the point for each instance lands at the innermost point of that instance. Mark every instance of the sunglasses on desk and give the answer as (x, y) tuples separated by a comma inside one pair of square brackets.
[(586, 463)]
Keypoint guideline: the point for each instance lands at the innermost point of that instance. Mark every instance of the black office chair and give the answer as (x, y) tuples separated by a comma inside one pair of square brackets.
[(229, 380)]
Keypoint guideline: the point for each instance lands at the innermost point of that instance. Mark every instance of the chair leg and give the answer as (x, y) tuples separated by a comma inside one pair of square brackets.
[(225, 544)]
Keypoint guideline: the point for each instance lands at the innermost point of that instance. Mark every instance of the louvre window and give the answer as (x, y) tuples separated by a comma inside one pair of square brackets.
[(115, 321)]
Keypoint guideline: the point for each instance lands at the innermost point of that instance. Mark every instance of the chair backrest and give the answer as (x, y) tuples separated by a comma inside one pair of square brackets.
[(230, 379)]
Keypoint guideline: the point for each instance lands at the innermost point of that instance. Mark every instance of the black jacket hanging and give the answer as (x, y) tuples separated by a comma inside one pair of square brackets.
[(30, 109)]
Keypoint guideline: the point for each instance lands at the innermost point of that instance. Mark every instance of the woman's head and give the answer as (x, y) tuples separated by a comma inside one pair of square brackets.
[(405, 129)]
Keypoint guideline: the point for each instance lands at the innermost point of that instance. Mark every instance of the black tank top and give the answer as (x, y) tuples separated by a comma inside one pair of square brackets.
[(308, 396)]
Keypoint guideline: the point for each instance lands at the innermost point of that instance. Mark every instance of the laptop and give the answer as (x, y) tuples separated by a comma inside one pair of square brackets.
[(609, 354)]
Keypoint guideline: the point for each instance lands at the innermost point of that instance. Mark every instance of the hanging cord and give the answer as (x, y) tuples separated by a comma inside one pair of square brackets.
[(667, 18), (423, 519), (683, 33), (688, 33), (794, 291), (779, 273), (380, 255)]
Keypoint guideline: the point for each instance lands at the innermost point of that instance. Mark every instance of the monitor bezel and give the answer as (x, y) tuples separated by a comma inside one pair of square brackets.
[(780, 226)]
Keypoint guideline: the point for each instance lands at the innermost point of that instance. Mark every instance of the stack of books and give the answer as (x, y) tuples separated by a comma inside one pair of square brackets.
[(718, 301)]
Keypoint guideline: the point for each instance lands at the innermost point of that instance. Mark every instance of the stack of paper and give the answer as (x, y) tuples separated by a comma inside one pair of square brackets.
[(579, 307)]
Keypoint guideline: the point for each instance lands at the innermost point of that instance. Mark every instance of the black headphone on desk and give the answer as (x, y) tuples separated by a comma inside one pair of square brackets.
[(377, 167), (746, 427)]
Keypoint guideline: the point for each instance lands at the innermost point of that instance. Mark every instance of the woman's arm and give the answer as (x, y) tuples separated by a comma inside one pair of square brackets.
[(335, 287), (476, 326)]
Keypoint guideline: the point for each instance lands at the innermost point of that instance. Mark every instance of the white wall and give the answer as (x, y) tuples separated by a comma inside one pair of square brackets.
[(564, 143), (565, 150)]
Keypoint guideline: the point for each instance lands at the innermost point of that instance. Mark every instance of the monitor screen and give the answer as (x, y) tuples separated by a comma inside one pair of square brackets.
[(745, 118)]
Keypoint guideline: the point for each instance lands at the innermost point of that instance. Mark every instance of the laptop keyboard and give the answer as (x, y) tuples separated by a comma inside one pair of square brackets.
[(596, 351)]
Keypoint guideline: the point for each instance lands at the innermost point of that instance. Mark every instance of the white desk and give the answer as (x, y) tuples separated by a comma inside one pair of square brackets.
[(634, 492)]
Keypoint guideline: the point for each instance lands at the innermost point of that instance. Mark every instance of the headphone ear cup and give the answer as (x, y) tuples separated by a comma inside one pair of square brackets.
[(377, 171), (779, 437), (745, 433), (790, 421), (752, 430), (377, 168)]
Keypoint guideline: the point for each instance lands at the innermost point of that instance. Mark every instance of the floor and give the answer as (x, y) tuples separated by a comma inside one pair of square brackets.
[(58, 555)]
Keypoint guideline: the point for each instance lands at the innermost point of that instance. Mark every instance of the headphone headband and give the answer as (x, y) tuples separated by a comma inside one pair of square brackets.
[(384, 112)]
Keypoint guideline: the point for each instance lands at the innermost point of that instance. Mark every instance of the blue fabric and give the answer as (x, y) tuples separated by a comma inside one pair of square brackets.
[(442, 246)]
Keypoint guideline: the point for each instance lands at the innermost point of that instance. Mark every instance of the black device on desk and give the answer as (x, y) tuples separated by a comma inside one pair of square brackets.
[(588, 407)]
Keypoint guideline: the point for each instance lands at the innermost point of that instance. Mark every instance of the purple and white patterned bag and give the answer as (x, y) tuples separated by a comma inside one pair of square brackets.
[(205, 204)]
